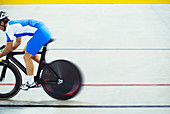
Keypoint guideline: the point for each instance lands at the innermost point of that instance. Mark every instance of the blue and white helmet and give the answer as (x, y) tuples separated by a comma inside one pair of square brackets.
[(3, 15)]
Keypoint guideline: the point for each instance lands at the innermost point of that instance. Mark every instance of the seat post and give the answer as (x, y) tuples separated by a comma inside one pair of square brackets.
[(42, 61), (43, 52)]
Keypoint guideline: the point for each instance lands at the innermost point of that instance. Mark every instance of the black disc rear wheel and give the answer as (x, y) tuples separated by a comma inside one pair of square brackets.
[(69, 73)]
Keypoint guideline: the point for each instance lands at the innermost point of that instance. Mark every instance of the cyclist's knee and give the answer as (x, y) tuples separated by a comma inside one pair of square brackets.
[(27, 56)]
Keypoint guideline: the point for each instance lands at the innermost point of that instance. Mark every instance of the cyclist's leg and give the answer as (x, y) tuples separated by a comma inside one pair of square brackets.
[(34, 45), (30, 71), (29, 64), (36, 58)]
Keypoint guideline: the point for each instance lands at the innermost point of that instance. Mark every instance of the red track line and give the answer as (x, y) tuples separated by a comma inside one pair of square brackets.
[(9, 84), (126, 84)]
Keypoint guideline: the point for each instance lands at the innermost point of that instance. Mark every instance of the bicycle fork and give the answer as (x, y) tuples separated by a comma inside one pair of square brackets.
[(3, 71), (5, 67)]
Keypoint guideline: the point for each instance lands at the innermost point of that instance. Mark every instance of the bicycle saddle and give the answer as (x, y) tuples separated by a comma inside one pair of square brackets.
[(51, 40)]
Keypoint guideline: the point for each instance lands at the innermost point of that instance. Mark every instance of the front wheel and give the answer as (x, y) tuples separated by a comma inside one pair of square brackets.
[(11, 83), (69, 73)]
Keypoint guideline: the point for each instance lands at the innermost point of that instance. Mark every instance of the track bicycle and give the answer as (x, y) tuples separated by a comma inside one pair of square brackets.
[(60, 79)]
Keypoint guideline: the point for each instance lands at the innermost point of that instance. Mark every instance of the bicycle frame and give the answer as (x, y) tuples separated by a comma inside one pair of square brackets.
[(10, 56), (42, 64)]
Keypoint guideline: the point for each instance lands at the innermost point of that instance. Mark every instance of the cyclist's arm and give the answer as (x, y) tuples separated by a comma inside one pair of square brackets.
[(7, 49), (17, 43)]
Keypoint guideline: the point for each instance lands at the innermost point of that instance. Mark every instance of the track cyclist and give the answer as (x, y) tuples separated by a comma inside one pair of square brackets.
[(16, 29)]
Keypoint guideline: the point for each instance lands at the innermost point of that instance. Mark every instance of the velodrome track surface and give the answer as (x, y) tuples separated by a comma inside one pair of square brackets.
[(122, 50)]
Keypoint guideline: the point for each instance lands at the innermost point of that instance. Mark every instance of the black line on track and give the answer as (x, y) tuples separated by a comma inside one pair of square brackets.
[(89, 106)]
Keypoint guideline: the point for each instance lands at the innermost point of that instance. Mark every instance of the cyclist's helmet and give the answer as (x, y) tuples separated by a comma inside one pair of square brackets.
[(3, 15), (4, 18)]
